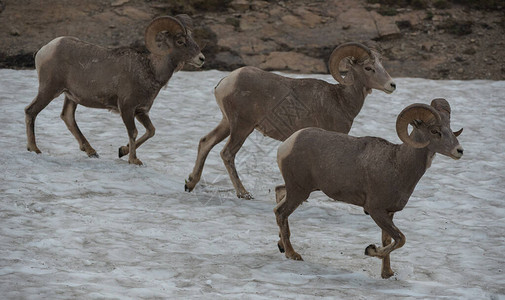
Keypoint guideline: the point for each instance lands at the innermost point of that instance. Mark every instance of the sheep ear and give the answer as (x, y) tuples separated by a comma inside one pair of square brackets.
[(348, 62), (346, 65), (170, 25), (349, 78)]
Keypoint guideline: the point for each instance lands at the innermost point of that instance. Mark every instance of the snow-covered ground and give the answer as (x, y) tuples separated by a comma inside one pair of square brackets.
[(73, 227)]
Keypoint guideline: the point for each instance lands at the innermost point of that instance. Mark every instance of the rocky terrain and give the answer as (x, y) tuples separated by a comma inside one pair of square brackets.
[(438, 40)]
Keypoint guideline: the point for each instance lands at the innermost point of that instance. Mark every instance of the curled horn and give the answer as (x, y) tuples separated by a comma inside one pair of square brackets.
[(417, 111), (166, 23), (186, 21), (442, 105), (356, 50)]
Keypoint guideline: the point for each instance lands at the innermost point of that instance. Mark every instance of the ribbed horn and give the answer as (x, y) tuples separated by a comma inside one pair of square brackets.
[(166, 23), (417, 111), (441, 105), (356, 50), (186, 21)]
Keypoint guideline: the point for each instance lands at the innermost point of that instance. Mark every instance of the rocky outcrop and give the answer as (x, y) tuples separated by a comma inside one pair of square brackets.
[(290, 35)]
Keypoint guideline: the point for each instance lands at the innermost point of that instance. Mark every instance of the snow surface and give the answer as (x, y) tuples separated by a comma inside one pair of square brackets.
[(77, 227)]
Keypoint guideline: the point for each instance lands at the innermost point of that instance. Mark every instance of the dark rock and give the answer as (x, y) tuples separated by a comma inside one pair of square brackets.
[(457, 27), (15, 32), (469, 51), (22, 60), (224, 60), (444, 72), (295, 36), (404, 24), (293, 61)]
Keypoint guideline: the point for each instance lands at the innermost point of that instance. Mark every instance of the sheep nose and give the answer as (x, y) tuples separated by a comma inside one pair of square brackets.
[(389, 87), (201, 58), (457, 152)]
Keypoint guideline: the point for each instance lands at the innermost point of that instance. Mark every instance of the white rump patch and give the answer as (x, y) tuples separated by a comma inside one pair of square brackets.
[(286, 146), (226, 86), (46, 52)]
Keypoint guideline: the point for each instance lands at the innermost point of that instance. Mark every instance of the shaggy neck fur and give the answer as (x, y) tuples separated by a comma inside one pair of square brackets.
[(355, 95), (417, 160), (164, 67)]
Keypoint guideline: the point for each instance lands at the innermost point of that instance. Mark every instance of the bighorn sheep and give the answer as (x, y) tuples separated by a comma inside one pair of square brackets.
[(121, 80), (277, 106), (368, 171)]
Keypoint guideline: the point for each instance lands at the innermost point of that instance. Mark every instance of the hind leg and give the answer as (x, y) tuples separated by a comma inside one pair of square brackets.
[(144, 119), (280, 194), (42, 99), (389, 230), (128, 117), (235, 142), (287, 204), (386, 271), (68, 116), (206, 144)]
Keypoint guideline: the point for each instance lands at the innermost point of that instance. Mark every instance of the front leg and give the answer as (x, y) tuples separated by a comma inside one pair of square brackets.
[(204, 146), (386, 271), (129, 121), (385, 222), (144, 119)]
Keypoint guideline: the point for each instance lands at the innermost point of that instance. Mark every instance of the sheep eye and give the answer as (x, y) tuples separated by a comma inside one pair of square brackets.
[(180, 43), (434, 131), (369, 69)]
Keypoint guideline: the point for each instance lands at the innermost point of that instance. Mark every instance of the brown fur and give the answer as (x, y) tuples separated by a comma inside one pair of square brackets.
[(277, 106), (368, 171), (121, 80)]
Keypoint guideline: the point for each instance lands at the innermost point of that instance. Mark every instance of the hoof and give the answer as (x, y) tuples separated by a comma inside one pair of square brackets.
[(387, 274), (186, 187), (294, 256), (135, 161), (36, 150), (371, 250), (246, 196), (94, 155), (281, 248), (123, 151)]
